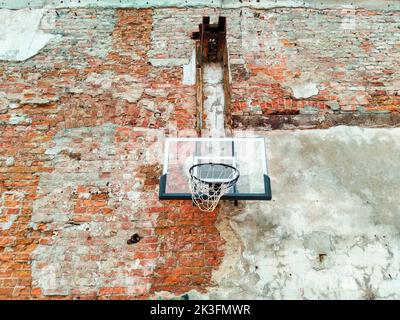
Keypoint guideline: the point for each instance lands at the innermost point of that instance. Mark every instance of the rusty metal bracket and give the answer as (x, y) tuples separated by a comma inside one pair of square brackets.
[(212, 39)]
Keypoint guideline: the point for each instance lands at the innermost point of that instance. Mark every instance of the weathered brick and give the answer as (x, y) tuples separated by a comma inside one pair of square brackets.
[(78, 118)]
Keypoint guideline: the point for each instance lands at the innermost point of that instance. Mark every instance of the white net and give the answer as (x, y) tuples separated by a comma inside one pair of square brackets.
[(209, 182)]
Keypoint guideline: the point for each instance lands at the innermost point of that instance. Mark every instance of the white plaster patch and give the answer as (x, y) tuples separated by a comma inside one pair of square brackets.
[(10, 161), (214, 99), (349, 16), (50, 279), (13, 105), (213, 73), (304, 90), (189, 70), (17, 118), (168, 62), (20, 35)]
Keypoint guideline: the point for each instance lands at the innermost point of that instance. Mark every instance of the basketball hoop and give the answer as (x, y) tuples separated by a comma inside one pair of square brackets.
[(247, 155), (209, 182)]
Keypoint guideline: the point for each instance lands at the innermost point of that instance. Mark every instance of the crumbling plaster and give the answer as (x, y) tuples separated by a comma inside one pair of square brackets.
[(332, 228), (21, 36), (88, 249), (335, 197), (334, 207)]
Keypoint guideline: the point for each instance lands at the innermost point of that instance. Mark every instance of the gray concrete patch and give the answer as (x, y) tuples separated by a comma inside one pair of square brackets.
[(332, 228)]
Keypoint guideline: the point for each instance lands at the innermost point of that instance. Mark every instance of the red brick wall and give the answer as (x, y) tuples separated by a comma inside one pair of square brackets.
[(351, 56), (66, 86), (83, 124)]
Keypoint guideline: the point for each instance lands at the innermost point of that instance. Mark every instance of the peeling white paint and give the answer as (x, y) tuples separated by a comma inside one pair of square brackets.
[(20, 36), (304, 90)]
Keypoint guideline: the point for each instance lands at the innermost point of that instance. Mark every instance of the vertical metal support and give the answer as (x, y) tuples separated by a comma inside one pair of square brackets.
[(227, 92), (212, 39), (221, 38), (199, 90), (205, 37), (211, 46)]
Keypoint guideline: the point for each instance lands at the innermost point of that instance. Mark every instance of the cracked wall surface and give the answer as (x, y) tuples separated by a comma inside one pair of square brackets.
[(331, 230), (332, 211), (82, 122)]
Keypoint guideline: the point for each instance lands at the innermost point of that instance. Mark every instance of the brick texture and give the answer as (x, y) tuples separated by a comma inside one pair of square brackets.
[(82, 125), (350, 56), (58, 237)]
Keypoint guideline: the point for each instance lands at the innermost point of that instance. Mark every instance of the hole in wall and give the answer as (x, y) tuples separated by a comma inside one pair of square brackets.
[(135, 238)]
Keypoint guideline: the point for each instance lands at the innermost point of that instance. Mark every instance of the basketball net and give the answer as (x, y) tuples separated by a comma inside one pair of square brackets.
[(207, 191)]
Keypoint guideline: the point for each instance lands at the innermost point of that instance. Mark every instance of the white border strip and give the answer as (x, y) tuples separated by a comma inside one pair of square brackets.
[(389, 5)]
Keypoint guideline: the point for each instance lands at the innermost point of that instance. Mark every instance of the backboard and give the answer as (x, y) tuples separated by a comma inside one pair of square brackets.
[(246, 154)]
